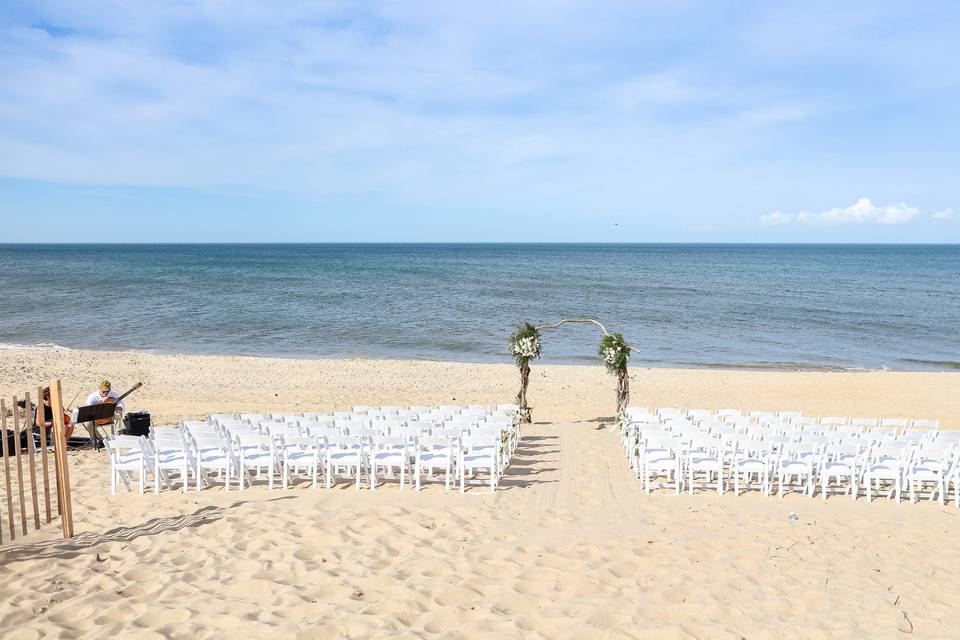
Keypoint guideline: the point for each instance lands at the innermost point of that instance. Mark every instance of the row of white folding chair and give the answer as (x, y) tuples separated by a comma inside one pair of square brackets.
[(354, 456), (790, 417), (509, 410), (854, 463)]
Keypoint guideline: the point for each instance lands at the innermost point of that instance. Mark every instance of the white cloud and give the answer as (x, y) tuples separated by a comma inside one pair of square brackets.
[(943, 214), (863, 211)]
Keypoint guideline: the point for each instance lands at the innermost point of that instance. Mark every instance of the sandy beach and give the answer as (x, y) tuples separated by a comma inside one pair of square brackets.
[(568, 547)]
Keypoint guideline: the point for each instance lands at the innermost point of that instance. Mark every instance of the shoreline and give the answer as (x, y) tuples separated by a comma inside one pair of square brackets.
[(944, 366), (182, 386)]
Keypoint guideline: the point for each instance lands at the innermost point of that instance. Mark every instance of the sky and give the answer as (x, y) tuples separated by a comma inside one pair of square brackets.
[(559, 121)]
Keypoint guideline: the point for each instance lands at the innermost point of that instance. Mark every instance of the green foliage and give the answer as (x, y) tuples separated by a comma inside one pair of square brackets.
[(525, 344), (614, 351)]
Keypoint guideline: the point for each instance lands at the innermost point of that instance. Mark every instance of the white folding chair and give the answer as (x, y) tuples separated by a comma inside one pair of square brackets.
[(704, 454), (128, 455), (255, 452), (842, 463), (389, 453), (660, 456), (170, 453), (347, 453), (930, 465), (479, 453), (885, 463), (795, 467), (433, 454), (301, 455), (210, 452), (750, 459)]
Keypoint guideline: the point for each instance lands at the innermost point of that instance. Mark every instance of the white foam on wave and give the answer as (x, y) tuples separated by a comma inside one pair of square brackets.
[(39, 345)]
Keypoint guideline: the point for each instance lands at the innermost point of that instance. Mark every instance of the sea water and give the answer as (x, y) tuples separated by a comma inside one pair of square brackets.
[(753, 306)]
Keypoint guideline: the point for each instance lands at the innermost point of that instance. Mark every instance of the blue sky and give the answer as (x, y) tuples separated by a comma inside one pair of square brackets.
[(540, 121)]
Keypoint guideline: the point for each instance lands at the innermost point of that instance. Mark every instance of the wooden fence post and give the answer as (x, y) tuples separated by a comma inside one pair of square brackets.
[(43, 453), (60, 454), (16, 456), (6, 470), (31, 459)]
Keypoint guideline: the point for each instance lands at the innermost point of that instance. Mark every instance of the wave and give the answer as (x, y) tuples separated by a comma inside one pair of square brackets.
[(38, 345), (943, 364)]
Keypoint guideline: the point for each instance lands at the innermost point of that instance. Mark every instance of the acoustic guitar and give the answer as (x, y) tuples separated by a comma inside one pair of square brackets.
[(109, 400)]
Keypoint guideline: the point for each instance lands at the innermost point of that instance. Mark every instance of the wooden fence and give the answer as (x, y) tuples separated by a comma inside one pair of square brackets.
[(35, 480)]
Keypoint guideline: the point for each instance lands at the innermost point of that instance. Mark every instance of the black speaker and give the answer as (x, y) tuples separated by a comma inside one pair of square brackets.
[(137, 424)]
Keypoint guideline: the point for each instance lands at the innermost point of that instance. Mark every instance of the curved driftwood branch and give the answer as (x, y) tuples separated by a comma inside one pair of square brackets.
[(582, 321)]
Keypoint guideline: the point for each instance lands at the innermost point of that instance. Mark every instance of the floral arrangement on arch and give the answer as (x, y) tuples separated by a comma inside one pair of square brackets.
[(615, 352), (525, 344)]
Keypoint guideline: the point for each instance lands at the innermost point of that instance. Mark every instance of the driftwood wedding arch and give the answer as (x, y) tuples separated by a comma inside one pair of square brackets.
[(615, 351)]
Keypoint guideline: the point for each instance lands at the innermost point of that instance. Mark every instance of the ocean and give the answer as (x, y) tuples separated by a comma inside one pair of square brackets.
[(822, 307)]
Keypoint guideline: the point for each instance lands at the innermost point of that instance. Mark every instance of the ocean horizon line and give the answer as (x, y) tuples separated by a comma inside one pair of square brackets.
[(484, 243)]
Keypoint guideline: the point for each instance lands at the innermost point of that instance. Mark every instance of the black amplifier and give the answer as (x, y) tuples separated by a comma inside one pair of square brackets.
[(137, 424)]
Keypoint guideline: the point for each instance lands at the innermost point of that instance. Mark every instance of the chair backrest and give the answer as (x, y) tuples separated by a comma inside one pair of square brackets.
[(480, 442), (700, 441), (722, 413), (880, 434), (319, 430), (798, 451), (385, 443), (939, 452), (802, 421), (789, 415), (925, 424), (889, 452), (247, 439), (306, 443), (422, 408), (669, 412), (254, 418), (834, 452), (756, 415), (896, 423), (281, 429), (833, 421), (123, 444), (343, 442), (862, 423), (430, 443), (657, 440)]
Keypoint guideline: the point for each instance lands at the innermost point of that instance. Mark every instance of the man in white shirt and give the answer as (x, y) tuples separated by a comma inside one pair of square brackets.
[(104, 392)]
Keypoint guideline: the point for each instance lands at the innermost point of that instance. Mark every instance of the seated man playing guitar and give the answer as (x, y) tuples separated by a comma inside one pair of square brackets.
[(104, 395)]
